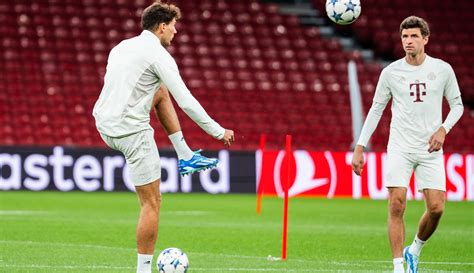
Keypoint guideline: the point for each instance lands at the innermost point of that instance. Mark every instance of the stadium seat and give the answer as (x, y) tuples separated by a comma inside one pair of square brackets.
[(253, 69)]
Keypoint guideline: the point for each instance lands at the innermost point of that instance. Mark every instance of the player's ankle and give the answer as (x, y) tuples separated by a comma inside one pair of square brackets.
[(398, 265), (416, 246), (144, 263)]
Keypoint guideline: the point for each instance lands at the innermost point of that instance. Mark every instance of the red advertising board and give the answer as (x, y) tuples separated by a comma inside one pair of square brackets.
[(330, 174)]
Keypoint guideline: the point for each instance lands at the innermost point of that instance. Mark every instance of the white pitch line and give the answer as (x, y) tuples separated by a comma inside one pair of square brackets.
[(21, 212), (361, 262), (349, 263), (69, 245), (424, 262), (301, 228), (187, 212), (285, 270), (102, 267), (98, 267), (69, 266)]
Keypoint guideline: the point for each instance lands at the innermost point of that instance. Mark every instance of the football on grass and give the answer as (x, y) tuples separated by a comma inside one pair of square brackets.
[(172, 260)]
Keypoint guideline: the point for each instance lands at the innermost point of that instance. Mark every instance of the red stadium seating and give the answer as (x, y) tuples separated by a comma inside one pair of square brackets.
[(254, 71)]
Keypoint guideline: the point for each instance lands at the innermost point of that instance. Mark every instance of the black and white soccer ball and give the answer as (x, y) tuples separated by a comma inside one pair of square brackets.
[(172, 260), (343, 12)]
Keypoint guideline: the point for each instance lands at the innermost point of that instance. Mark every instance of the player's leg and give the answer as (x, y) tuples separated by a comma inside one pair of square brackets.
[(399, 168), (396, 224), (431, 179), (147, 227), (165, 111), (168, 118), (435, 201), (189, 161), (143, 160)]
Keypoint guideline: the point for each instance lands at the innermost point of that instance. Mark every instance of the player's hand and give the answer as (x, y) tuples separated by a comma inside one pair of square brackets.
[(358, 159), (228, 138), (437, 140)]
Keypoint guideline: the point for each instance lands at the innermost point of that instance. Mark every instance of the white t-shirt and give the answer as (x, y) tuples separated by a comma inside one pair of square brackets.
[(417, 95), (136, 68)]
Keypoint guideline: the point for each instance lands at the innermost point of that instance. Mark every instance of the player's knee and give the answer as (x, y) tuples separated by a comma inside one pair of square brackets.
[(397, 207), (158, 200), (435, 211), (152, 204)]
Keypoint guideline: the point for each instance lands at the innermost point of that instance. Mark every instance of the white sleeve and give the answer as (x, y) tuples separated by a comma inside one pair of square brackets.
[(381, 98), (455, 113), (371, 122), (169, 75), (451, 89), (382, 92)]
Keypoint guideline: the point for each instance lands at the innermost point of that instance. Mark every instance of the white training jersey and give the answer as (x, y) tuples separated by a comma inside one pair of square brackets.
[(136, 68), (417, 95)]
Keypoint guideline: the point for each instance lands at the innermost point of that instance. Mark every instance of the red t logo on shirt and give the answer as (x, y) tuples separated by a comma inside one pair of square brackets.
[(419, 92)]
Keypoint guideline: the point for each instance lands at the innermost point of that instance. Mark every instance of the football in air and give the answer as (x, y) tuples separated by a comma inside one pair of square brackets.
[(343, 12)]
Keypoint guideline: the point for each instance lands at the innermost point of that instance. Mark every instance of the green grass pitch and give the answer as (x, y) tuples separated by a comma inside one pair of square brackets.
[(95, 232)]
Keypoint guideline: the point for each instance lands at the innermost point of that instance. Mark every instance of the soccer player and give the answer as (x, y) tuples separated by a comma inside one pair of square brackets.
[(416, 84), (136, 68)]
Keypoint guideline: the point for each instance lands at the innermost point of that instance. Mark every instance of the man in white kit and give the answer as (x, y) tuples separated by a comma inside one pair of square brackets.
[(416, 84), (136, 69)]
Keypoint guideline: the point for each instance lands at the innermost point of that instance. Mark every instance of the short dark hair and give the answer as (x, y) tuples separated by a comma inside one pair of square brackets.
[(415, 22), (158, 13)]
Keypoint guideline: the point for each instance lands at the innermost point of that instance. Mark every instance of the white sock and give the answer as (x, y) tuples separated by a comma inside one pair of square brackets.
[(180, 146), (416, 246), (398, 265), (144, 263)]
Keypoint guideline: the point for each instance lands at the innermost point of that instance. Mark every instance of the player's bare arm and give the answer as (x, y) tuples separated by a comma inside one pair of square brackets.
[(358, 159), (437, 140)]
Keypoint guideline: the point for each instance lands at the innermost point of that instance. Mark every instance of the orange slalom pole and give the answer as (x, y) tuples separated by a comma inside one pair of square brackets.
[(285, 203), (260, 181)]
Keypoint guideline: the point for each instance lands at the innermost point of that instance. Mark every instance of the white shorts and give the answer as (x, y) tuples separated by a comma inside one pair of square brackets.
[(429, 170), (141, 154)]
